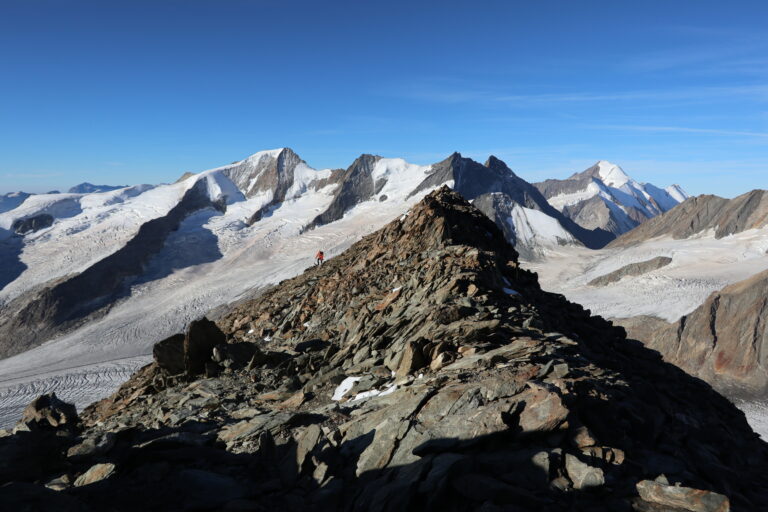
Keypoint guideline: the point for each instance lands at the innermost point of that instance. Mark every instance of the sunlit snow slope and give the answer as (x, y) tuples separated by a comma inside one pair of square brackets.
[(212, 258)]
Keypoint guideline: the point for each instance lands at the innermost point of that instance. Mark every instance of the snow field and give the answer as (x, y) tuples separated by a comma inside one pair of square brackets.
[(89, 363), (700, 265)]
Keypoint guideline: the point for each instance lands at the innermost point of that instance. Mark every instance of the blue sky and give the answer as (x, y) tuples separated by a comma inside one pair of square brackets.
[(124, 92)]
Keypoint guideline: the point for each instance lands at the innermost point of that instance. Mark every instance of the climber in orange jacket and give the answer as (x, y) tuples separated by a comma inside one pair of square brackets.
[(319, 257)]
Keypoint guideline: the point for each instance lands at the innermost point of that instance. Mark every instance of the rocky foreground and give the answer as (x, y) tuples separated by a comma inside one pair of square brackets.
[(422, 369)]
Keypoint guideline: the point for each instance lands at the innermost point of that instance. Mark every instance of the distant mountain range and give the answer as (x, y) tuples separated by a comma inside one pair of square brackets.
[(70, 258), (90, 188), (604, 197)]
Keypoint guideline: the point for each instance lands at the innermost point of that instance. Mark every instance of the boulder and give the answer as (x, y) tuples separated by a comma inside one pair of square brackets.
[(90, 446), (169, 354), (236, 355), (202, 335), (95, 474), (581, 474), (544, 411), (412, 360), (682, 498), (48, 412)]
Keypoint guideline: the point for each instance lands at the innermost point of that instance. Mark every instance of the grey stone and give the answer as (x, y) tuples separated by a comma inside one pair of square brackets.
[(95, 474), (581, 474)]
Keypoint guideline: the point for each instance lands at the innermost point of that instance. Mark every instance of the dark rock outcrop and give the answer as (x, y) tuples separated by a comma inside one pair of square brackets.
[(421, 369), (31, 224), (169, 354), (724, 341), (356, 185), (633, 269), (202, 336)]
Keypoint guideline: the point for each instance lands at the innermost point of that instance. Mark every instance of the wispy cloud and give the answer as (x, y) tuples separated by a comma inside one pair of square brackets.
[(31, 174), (436, 93), (728, 60), (684, 129)]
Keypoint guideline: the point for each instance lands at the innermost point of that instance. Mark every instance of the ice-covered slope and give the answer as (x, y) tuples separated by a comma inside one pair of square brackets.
[(528, 221), (605, 197), (87, 251), (207, 257), (700, 266)]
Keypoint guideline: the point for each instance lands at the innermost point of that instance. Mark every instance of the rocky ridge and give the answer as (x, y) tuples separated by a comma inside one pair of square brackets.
[(632, 269), (421, 369)]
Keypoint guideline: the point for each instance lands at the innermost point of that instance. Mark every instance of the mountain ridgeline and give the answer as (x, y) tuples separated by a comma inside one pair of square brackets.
[(702, 213), (421, 369), (63, 290), (492, 187)]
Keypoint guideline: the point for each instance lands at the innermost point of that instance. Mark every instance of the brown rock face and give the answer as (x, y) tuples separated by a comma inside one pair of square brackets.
[(534, 405), (724, 341), (725, 216)]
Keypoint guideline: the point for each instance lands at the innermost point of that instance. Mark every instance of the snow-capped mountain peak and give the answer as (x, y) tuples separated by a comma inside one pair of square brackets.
[(267, 153), (677, 193), (611, 174), (605, 197)]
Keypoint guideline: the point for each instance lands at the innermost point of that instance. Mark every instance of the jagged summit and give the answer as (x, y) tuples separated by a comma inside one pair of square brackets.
[(611, 174), (604, 197), (421, 369), (496, 163)]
